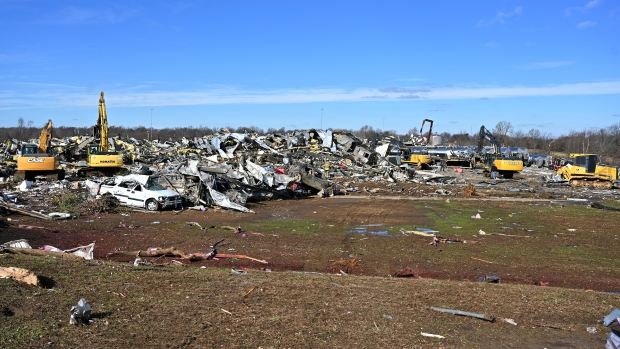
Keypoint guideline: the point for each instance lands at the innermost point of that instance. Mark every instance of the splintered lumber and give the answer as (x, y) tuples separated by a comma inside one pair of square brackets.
[(19, 274), (35, 252), (481, 260), (174, 252), (25, 212), (240, 256)]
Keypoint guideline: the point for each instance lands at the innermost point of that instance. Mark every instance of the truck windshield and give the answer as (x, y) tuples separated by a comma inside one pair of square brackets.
[(152, 185)]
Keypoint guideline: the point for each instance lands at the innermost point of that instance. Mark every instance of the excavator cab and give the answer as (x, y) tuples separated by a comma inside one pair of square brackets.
[(93, 149), (588, 162), (29, 149), (582, 170)]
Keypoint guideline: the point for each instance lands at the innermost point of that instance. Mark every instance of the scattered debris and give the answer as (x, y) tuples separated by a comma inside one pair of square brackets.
[(612, 321), (481, 260), (510, 321), (489, 279), (603, 207), (431, 335), (80, 313), (465, 313), (85, 252), (192, 257)]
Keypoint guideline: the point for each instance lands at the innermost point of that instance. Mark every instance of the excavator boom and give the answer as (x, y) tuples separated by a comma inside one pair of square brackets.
[(102, 161), (46, 137), (430, 130), (101, 129)]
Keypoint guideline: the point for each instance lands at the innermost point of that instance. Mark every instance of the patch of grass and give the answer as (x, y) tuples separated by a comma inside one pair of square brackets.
[(70, 202)]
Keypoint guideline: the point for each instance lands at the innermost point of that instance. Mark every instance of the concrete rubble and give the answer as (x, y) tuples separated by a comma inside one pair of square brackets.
[(228, 170)]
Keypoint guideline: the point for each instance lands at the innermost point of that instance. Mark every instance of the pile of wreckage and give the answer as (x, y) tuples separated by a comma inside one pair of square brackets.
[(228, 169)]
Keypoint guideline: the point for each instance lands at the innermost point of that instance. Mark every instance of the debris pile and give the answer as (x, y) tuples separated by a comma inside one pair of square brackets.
[(229, 170)]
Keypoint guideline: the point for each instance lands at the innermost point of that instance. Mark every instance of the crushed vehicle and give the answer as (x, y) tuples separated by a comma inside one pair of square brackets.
[(140, 191)]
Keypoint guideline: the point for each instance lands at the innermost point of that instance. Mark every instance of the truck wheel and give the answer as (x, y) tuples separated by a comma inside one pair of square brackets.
[(152, 205)]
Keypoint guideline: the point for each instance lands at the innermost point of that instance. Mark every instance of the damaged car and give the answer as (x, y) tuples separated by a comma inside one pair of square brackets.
[(140, 191)]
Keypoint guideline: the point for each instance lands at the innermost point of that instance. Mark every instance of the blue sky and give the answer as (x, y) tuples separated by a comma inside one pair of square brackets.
[(547, 65)]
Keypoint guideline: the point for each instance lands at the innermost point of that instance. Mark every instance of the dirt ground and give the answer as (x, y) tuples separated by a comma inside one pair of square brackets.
[(364, 234)]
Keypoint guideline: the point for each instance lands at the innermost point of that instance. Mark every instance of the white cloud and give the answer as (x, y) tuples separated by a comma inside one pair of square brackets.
[(491, 44), (545, 65), (500, 17), (81, 15), (590, 5), (52, 96), (585, 25), (593, 4)]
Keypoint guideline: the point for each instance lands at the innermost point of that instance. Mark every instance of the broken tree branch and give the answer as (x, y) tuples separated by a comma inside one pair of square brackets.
[(160, 252)]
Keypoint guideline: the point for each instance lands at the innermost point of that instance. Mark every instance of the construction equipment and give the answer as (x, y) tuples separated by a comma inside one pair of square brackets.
[(35, 161), (507, 165), (417, 156), (582, 170), (422, 140), (430, 130), (101, 161)]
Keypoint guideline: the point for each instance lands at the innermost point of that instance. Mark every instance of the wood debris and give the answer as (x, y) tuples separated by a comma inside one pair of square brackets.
[(19, 274)]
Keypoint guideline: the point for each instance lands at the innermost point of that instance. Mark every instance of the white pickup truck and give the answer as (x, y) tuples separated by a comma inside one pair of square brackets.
[(140, 191)]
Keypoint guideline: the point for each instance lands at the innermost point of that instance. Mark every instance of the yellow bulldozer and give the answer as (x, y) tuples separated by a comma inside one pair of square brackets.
[(34, 160), (583, 170)]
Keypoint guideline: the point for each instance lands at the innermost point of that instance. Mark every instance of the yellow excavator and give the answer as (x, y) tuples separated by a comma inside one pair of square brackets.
[(35, 161), (417, 156), (101, 161), (582, 170), (506, 165)]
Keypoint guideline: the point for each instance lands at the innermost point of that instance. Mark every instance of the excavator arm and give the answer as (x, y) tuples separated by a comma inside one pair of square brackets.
[(46, 137), (101, 129), (430, 130), (486, 134)]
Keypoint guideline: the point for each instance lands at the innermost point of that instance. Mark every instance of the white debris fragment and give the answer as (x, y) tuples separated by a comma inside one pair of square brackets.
[(80, 313), (431, 335), (510, 321)]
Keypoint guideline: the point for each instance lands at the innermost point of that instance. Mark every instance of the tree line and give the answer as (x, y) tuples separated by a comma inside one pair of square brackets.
[(604, 142)]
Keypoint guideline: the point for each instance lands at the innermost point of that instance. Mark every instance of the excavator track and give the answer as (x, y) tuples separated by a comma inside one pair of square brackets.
[(591, 183)]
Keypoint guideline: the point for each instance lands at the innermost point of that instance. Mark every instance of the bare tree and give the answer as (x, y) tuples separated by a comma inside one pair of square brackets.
[(502, 130), (20, 127)]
